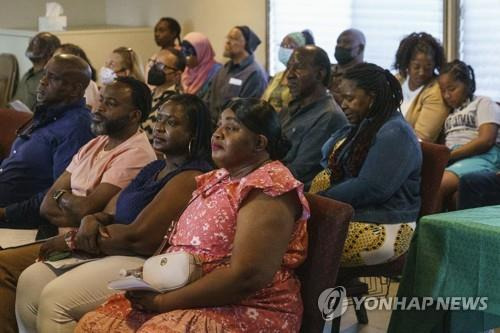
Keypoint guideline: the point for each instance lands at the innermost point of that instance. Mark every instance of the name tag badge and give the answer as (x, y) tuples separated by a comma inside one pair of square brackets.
[(235, 81)]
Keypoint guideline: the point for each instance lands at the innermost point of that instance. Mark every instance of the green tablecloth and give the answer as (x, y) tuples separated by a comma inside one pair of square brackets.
[(453, 254)]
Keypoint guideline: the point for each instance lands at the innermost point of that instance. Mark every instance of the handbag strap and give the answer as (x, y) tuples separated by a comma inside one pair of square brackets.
[(173, 225)]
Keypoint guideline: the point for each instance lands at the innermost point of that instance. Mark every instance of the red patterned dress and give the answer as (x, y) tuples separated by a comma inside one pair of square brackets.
[(207, 228)]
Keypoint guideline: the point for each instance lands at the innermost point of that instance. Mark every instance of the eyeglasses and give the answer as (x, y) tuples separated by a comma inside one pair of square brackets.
[(161, 66), (187, 49)]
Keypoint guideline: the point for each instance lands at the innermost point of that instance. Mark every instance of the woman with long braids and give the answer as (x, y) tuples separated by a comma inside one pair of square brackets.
[(419, 59), (471, 130), (374, 165)]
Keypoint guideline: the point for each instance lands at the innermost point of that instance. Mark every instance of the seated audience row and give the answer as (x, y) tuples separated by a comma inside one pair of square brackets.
[(120, 202), (133, 224), (259, 212), (228, 147), (99, 170)]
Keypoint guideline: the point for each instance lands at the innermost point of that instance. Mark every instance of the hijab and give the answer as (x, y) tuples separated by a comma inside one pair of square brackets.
[(193, 79)]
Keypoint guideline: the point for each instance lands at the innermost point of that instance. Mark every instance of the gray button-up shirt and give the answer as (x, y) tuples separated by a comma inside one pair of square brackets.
[(308, 128), (246, 79)]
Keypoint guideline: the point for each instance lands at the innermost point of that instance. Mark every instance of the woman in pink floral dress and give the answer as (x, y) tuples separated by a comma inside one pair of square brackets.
[(247, 222)]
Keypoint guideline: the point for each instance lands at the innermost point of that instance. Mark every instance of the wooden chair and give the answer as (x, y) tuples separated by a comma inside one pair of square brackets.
[(327, 231), (10, 121), (434, 160), (9, 76)]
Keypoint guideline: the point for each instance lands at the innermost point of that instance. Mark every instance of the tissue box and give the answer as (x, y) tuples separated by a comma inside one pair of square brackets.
[(52, 23)]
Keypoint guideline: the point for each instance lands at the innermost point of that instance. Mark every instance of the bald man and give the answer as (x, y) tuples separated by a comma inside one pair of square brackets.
[(39, 51), (349, 51), (44, 147)]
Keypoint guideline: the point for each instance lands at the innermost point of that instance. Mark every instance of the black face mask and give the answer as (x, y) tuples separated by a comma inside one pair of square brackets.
[(156, 77), (343, 55)]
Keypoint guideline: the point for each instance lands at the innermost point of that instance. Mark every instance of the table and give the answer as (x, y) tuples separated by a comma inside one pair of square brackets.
[(452, 254)]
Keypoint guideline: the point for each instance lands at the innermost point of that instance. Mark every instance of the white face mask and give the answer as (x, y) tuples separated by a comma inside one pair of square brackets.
[(284, 55), (107, 75)]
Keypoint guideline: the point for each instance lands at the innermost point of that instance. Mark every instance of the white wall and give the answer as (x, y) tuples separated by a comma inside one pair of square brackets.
[(23, 14), (214, 18)]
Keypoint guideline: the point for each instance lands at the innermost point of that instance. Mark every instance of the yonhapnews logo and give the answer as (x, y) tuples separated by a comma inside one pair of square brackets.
[(333, 303)]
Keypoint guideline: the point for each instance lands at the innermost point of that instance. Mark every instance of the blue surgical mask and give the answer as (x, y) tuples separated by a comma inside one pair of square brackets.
[(284, 55)]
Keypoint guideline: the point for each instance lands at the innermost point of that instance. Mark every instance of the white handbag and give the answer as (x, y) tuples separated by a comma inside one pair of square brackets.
[(161, 273), (171, 270)]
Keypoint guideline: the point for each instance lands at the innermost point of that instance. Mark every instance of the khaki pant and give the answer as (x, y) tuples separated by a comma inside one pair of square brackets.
[(12, 263), (53, 300)]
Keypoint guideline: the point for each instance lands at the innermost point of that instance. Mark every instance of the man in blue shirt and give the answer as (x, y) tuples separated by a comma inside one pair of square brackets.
[(44, 146)]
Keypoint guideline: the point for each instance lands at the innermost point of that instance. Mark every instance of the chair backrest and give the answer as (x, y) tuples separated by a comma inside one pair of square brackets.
[(10, 121), (9, 75), (435, 159), (327, 231)]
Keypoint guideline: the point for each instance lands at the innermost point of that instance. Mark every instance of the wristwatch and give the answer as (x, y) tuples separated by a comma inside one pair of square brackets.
[(58, 194)]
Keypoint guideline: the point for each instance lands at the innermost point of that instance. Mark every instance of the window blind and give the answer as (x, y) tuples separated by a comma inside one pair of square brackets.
[(384, 23), (479, 43)]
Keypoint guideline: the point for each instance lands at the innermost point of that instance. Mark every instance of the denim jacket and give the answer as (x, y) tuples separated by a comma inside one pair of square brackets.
[(387, 188)]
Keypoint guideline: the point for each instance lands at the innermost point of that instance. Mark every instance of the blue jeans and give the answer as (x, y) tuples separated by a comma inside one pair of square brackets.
[(479, 189)]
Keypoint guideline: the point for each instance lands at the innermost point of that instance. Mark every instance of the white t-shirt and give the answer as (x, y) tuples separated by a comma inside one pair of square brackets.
[(462, 125), (408, 96)]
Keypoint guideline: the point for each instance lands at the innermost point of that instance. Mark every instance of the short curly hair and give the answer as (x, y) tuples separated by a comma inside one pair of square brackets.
[(418, 42)]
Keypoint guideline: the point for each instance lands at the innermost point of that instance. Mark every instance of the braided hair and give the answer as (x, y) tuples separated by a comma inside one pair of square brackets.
[(174, 26), (386, 90), (462, 72), (415, 43), (199, 123)]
